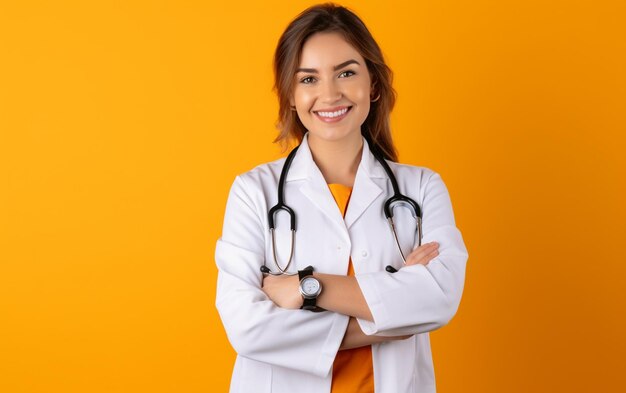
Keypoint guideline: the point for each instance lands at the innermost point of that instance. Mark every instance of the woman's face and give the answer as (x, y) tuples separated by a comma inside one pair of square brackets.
[(332, 88)]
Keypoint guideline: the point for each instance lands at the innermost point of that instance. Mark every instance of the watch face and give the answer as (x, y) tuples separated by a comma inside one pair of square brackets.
[(310, 286)]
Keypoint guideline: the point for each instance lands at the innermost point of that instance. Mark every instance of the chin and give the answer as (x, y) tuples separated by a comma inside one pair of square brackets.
[(331, 135), (327, 137)]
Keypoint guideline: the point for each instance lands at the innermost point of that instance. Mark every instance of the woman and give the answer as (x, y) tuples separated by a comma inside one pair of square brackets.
[(345, 322)]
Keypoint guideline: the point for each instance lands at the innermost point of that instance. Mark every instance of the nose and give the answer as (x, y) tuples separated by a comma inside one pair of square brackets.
[(330, 91)]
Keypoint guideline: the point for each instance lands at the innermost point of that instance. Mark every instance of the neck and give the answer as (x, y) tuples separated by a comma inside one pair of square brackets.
[(337, 160)]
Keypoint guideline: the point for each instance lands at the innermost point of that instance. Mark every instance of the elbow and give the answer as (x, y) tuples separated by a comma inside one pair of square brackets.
[(442, 319), (242, 335), (451, 300), (240, 344), (447, 316), (448, 312), (244, 340)]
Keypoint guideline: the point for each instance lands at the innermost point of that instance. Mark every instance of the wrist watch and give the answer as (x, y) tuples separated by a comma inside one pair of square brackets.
[(310, 288)]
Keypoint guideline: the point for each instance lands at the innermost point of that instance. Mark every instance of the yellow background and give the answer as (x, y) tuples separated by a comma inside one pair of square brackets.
[(124, 123)]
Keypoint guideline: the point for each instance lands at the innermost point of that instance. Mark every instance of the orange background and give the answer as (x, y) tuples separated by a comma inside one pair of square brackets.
[(124, 123)]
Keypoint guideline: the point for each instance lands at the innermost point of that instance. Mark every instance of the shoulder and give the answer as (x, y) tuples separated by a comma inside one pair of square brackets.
[(408, 172), (263, 174), (258, 185), (420, 182)]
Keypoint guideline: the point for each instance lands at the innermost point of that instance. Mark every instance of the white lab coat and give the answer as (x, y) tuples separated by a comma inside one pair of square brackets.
[(292, 351)]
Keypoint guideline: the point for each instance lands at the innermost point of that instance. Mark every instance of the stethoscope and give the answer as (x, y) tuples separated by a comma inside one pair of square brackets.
[(396, 198)]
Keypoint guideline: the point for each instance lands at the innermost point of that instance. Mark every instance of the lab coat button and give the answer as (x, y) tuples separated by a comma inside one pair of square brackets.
[(364, 253)]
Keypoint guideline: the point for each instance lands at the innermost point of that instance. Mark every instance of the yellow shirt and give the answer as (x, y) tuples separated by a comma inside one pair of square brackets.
[(353, 371)]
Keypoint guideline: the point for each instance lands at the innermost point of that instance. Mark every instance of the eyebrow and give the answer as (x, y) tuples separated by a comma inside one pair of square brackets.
[(335, 68)]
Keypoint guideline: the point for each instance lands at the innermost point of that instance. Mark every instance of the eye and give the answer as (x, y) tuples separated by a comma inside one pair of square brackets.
[(307, 80), (346, 73)]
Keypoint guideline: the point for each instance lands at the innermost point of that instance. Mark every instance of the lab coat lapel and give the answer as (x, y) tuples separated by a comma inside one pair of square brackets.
[(317, 191), (365, 190), (314, 187)]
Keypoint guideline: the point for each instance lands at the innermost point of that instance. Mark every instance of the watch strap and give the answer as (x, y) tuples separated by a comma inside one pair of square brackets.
[(307, 271), (310, 305)]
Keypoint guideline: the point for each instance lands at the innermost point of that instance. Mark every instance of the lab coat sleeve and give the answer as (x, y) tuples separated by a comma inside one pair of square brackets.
[(255, 326), (420, 298)]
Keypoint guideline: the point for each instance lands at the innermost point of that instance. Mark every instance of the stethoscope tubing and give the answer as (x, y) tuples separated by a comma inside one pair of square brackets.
[(389, 205)]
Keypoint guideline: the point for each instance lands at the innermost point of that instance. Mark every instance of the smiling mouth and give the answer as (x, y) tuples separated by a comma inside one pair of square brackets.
[(334, 115)]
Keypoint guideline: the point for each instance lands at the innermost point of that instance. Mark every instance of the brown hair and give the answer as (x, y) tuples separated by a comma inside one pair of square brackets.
[(330, 17)]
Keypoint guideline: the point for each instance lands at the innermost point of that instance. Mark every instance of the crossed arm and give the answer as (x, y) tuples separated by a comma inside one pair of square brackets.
[(341, 294)]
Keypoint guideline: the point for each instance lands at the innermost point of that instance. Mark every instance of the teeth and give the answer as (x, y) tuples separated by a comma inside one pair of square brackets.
[(333, 114)]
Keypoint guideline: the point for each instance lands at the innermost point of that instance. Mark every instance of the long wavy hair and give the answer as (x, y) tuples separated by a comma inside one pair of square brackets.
[(331, 17)]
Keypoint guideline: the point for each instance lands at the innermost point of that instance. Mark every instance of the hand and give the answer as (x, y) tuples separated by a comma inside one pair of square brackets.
[(283, 290), (423, 254)]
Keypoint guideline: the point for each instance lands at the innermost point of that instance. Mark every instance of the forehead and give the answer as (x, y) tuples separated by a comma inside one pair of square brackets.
[(325, 50)]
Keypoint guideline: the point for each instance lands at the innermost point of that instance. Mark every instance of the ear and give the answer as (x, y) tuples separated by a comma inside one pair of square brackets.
[(373, 87)]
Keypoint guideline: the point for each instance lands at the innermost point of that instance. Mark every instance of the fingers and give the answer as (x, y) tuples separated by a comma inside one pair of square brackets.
[(423, 254)]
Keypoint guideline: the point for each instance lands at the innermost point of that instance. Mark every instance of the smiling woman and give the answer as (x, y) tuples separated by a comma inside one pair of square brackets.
[(328, 44), (345, 310), (332, 95)]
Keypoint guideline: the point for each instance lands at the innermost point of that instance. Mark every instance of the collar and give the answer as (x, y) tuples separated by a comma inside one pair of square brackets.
[(303, 166)]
